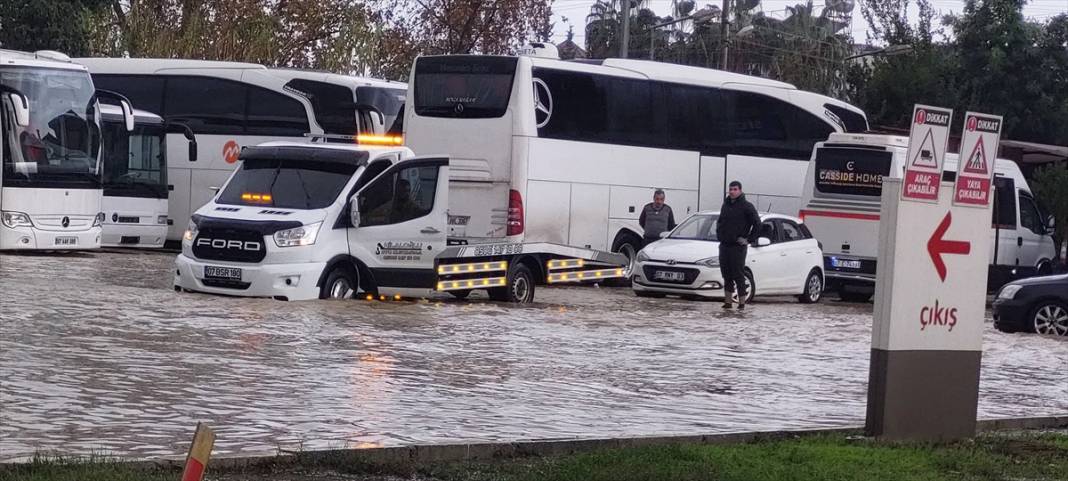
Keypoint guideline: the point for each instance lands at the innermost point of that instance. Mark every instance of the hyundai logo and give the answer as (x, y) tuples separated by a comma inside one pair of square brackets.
[(543, 103), (65, 222), (670, 262), (229, 244)]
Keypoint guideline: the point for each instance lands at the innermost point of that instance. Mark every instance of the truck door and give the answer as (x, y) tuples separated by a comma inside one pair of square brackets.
[(401, 225)]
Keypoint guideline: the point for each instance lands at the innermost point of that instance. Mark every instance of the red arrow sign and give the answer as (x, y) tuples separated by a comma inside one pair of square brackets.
[(936, 246)]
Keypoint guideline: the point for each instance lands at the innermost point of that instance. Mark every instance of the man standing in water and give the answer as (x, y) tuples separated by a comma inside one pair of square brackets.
[(656, 217), (738, 225)]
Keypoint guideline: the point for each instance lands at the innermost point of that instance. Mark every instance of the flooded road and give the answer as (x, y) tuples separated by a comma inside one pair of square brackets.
[(97, 353)]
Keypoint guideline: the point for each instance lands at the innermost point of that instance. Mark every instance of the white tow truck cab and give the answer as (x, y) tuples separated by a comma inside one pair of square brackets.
[(304, 221), (841, 205)]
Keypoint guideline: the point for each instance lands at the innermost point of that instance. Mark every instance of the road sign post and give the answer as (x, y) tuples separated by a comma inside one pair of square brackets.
[(929, 312)]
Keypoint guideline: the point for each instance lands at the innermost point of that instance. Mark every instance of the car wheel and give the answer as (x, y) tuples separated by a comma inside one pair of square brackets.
[(1050, 318), (750, 288), (850, 296), (519, 288), (813, 288), (339, 284), (461, 294), (655, 295)]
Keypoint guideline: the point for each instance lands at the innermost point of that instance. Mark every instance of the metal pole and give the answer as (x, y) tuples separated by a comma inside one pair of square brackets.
[(724, 31), (626, 29)]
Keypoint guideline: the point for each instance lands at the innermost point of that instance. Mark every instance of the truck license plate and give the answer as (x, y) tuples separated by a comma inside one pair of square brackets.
[(66, 241), (845, 263), (228, 273), (671, 276)]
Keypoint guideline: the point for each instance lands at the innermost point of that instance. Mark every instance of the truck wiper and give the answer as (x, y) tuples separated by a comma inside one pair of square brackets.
[(304, 187)]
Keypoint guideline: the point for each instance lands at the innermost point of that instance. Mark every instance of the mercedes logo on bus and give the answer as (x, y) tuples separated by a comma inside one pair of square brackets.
[(459, 108), (66, 222), (543, 103)]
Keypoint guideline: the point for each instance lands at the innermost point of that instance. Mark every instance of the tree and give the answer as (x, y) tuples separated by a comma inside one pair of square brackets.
[(1050, 185), (63, 25)]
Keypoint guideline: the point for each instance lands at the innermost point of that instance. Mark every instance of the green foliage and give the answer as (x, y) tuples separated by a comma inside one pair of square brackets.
[(1050, 186), (62, 25)]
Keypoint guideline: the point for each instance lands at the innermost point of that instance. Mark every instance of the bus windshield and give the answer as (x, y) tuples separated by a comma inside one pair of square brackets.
[(58, 145), (697, 227), (134, 165), (287, 184), (852, 171), (389, 101)]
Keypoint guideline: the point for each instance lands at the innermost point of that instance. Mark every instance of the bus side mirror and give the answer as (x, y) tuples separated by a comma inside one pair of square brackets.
[(124, 104), (354, 211), (22, 108), (189, 136), (193, 150)]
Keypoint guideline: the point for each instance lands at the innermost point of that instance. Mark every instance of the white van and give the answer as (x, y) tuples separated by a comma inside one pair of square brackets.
[(841, 206)]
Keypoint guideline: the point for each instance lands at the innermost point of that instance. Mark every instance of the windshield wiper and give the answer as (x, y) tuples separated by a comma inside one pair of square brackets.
[(304, 187)]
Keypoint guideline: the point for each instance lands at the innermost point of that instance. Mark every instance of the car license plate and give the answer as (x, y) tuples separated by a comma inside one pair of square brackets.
[(671, 276), (66, 241), (845, 263), (229, 273)]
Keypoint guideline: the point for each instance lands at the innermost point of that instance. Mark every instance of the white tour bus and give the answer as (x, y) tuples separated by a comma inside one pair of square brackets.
[(842, 204), (568, 152), (50, 191), (229, 105), (135, 178)]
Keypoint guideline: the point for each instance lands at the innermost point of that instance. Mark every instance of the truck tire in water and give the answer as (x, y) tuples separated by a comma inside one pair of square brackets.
[(520, 286), (341, 283)]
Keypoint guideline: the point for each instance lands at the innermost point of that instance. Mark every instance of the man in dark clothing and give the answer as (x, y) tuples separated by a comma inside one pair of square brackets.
[(656, 217), (738, 225)]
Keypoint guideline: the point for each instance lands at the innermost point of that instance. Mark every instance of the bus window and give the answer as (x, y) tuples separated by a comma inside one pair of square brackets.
[(333, 105), (463, 86), (271, 113), (853, 122), (852, 171), (388, 100), (693, 118), (207, 105), (766, 126), (144, 91)]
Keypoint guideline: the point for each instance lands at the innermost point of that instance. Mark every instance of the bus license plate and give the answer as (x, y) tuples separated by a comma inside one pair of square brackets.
[(228, 273), (66, 241), (845, 263), (670, 276)]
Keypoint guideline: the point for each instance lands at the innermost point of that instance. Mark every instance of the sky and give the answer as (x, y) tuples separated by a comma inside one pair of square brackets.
[(576, 10)]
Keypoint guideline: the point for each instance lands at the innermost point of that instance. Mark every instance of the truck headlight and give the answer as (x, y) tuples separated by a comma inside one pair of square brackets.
[(641, 257), (298, 236), (190, 232), (1009, 291), (98, 221), (709, 261), (16, 219), (161, 220)]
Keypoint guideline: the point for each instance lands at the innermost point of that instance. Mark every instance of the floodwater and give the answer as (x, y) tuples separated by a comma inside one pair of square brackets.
[(99, 354)]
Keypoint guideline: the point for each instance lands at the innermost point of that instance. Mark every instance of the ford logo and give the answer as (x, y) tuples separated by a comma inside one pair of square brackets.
[(229, 244)]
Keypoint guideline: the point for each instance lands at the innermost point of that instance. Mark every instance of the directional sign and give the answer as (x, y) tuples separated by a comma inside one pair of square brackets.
[(975, 173), (927, 149), (938, 245)]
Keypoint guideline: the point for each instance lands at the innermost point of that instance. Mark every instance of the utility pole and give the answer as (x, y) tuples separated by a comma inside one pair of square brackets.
[(626, 29), (725, 31)]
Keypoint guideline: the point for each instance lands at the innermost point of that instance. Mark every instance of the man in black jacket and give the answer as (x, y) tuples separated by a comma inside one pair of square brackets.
[(738, 225)]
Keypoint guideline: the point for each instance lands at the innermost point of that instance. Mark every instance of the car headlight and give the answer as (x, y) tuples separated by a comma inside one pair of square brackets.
[(298, 236), (1009, 291), (16, 219), (190, 231), (161, 219), (98, 221), (641, 257), (709, 261)]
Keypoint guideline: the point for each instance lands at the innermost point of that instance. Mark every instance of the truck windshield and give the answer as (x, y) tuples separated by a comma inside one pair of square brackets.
[(134, 165), (697, 227), (287, 184), (58, 145)]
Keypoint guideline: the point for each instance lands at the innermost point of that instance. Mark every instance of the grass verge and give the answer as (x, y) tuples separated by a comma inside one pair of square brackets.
[(996, 456)]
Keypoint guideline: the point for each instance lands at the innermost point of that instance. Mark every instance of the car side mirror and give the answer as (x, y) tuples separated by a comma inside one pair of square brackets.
[(22, 108), (663, 235), (354, 211), (763, 241), (1051, 224)]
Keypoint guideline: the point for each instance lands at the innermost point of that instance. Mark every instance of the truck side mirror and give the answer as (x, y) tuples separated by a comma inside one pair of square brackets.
[(354, 211), (22, 108)]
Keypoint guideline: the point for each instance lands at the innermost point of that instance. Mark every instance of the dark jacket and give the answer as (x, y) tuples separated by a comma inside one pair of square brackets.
[(654, 221), (737, 218)]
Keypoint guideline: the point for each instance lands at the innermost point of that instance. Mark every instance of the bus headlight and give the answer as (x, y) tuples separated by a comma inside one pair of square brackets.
[(709, 261), (190, 232), (16, 219), (98, 221), (161, 220), (298, 236)]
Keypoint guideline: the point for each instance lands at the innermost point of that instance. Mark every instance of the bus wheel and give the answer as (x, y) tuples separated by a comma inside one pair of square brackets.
[(339, 284), (628, 245), (519, 288), (461, 294)]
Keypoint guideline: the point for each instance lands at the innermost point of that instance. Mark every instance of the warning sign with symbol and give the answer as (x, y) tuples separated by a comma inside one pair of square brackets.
[(978, 149), (927, 149)]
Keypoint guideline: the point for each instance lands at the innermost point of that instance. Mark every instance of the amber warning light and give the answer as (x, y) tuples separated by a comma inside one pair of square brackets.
[(258, 198), (369, 139)]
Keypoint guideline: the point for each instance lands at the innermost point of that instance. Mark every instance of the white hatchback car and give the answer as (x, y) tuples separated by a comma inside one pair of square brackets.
[(787, 260)]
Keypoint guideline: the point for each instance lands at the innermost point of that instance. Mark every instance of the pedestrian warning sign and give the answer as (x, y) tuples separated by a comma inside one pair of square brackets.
[(927, 149), (975, 174)]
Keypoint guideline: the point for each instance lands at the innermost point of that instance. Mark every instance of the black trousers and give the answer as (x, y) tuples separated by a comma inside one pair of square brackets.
[(732, 266)]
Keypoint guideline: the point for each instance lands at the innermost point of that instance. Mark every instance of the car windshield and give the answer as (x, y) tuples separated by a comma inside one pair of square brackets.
[(58, 144), (698, 227), (133, 161), (287, 184)]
